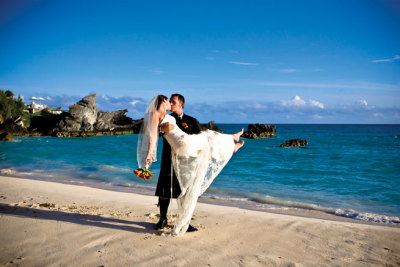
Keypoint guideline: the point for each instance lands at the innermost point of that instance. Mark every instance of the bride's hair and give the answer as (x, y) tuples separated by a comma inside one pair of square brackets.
[(160, 99), (146, 134)]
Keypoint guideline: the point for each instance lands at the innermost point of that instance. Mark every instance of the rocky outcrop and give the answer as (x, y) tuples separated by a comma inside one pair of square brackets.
[(94, 133), (83, 119), (12, 127), (6, 136), (113, 120), (259, 131), (294, 143), (82, 116), (210, 126), (85, 110)]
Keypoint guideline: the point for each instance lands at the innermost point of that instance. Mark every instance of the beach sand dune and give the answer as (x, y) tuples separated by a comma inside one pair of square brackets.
[(52, 224)]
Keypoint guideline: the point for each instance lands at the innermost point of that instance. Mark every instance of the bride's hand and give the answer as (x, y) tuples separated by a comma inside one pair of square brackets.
[(149, 161)]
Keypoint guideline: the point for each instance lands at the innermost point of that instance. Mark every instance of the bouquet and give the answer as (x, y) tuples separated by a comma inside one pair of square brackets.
[(144, 173)]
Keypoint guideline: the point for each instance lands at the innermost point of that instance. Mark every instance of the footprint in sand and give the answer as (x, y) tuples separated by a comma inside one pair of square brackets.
[(152, 215), (48, 205), (148, 237), (16, 260)]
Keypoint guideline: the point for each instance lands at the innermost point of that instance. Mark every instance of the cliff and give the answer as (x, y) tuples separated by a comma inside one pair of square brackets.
[(83, 119)]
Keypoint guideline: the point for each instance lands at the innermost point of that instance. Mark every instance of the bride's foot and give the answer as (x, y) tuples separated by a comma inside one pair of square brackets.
[(238, 145), (237, 135)]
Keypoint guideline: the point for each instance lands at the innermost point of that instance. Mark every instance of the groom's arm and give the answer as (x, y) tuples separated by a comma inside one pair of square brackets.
[(195, 128)]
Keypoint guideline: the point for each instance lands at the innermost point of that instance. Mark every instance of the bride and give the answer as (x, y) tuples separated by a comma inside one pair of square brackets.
[(197, 159)]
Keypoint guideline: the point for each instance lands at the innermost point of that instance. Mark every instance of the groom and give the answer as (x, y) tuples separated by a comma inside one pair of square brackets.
[(165, 190)]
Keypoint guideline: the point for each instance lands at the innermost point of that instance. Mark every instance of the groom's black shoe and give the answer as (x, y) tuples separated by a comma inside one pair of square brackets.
[(192, 229), (161, 224), (163, 203)]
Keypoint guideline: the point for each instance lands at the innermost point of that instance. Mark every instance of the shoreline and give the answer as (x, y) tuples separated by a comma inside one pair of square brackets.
[(284, 179), (208, 199), (47, 223)]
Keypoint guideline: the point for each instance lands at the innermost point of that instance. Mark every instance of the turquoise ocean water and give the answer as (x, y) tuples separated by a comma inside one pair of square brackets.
[(347, 170)]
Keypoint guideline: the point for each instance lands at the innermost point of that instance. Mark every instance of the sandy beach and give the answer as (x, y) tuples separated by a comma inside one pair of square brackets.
[(52, 224)]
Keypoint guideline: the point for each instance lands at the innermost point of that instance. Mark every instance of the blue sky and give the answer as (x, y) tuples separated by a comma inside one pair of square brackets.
[(234, 61)]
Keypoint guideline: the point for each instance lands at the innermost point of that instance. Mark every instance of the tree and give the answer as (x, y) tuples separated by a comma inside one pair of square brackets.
[(9, 107), (9, 94)]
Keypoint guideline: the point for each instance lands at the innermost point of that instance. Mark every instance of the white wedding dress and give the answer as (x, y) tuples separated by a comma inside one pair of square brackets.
[(197, 160)]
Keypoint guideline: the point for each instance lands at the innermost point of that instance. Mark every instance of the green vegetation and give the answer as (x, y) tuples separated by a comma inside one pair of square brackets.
[(43, 121), (28, 117), (9, 107)]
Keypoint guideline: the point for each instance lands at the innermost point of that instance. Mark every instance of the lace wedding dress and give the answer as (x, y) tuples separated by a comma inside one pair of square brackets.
[(197, 160)]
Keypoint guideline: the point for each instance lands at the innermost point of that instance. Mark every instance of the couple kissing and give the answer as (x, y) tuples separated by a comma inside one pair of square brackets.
[(191, 159)]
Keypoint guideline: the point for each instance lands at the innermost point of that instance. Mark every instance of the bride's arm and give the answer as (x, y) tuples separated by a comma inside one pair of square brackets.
[(154, 122)]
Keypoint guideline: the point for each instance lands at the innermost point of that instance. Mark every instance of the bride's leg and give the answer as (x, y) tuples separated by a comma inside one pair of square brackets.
[(237, 135), (237, 146)]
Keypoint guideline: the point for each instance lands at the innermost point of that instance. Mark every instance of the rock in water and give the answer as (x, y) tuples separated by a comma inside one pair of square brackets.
[(294, 143), (259, 131), (6, 136), (12, 127), (210, 126)]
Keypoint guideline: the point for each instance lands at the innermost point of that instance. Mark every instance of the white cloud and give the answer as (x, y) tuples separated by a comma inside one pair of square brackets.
[(48, 98), (243, 63), (210, 58), (298, 102), (363, 102), (317, 104), (135, 105), (134, 102), (292, 110), (396, 57), (295, 101)]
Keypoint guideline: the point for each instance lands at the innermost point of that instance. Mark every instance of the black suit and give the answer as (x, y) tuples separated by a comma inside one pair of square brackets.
[(164, 180)]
